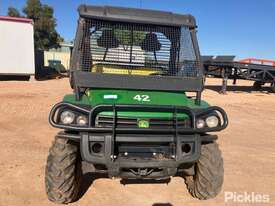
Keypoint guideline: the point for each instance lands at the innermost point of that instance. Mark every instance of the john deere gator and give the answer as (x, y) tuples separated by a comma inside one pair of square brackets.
[(136, 111)]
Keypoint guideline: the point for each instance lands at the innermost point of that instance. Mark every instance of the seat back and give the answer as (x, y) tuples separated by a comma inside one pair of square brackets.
[(151, 43), (108, 40)]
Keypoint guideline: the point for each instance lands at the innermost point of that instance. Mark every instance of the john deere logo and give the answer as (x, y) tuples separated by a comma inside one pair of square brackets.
[(143, 123)]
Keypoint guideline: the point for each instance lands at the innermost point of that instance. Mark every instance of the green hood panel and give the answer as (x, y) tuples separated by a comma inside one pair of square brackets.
[(95, 97), (136, 97)]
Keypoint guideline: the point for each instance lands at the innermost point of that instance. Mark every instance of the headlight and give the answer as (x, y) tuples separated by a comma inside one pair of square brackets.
[(67, 117), (200, 123), (212, 121), (81, 120)]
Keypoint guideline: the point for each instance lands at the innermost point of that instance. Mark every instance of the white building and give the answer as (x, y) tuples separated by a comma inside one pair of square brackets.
[(16, 46)]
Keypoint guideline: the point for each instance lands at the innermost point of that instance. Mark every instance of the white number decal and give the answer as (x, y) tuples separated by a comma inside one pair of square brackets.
[(142, 98), (146, 98)]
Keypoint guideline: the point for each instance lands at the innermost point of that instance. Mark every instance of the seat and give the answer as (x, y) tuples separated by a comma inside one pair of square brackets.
[(150, 43), (108, 40)]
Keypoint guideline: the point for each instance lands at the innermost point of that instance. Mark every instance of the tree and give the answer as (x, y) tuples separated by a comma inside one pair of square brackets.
[(45, 34), (13, 12), (33, 9)]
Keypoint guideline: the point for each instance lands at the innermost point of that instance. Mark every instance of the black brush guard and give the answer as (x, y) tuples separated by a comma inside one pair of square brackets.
[(127, 167), (92, 114)]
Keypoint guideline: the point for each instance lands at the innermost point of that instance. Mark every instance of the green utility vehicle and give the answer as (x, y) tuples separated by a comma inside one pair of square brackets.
[(136, 111)]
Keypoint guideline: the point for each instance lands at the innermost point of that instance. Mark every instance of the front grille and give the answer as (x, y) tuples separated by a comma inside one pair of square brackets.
[(106, 121)]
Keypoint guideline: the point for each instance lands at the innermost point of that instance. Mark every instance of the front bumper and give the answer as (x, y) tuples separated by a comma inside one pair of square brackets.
[(113, 158)]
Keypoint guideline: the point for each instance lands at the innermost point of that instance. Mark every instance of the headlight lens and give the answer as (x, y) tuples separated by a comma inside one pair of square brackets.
[(81, 120), (212, 121), (67, 117), (200, 123)]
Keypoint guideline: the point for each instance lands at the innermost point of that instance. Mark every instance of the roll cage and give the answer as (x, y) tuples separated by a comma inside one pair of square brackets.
[(159, 50)]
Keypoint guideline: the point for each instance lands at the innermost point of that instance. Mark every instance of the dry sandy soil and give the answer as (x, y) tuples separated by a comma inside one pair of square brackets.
[(247, 144)]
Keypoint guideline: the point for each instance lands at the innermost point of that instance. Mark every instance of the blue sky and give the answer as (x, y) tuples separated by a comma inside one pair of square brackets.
[(226, 27)]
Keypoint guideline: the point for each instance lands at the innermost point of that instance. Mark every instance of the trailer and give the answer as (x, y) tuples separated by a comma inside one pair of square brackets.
[(257, 70), (17, 48)]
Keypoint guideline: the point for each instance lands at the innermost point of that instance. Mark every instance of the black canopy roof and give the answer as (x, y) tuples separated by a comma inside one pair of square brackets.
[(136, 15)]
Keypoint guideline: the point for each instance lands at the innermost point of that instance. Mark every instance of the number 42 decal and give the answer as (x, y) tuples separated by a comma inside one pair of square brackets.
[(142, 98)]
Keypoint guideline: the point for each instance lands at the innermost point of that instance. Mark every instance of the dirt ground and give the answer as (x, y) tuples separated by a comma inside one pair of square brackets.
[(25, 134)]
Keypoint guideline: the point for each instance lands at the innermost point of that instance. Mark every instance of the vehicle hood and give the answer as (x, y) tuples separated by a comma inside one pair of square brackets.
[(96, 97)]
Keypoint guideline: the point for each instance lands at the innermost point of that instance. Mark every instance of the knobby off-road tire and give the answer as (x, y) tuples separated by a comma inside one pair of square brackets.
[(208, 179), (63, 172)]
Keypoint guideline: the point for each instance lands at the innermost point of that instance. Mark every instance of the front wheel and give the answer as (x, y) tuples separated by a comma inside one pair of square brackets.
[(208, 179), (63, 172)]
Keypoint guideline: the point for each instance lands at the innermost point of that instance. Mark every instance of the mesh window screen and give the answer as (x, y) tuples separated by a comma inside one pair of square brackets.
[(137, 49)]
